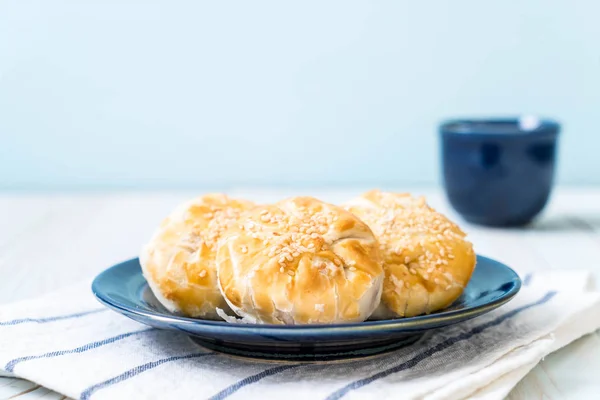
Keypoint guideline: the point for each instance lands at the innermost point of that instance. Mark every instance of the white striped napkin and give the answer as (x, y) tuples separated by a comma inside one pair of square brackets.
[(69, 343)]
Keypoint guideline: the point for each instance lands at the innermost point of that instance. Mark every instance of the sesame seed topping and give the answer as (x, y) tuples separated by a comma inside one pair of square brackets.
[(414, 233), (213, 220), (288, 235)]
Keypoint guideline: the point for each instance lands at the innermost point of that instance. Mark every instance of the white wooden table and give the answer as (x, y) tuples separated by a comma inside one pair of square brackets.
[(49, 241)]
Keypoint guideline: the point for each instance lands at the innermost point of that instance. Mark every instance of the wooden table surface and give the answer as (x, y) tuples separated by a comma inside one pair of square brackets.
[(52, 240)]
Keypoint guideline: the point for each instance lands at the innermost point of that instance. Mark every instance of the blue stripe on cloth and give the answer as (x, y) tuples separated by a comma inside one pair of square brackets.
[(51, 319), (10, 366), (436, 349), (527, 279), (85, 395), (228, 391)]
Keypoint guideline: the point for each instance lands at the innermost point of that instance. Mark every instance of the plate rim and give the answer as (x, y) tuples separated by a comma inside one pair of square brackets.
[(420, 322)]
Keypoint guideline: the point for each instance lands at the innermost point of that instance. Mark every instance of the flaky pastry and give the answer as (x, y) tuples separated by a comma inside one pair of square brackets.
[(427, 261), (179, 260), (300, 261)]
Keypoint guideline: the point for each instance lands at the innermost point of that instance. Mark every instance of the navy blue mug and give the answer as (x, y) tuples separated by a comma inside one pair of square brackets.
[(499, 172)]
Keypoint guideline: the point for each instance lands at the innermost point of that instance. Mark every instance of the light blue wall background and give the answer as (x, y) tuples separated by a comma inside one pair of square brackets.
[(145, 94)]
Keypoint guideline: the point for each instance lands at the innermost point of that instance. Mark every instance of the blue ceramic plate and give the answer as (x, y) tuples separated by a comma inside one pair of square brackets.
[(123, 289)]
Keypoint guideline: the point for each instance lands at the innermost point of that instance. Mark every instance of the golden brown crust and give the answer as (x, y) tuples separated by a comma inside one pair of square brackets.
[(300, 261), (427, 260), (179, 261)]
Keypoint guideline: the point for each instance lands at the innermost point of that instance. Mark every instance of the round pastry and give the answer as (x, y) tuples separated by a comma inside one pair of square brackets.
[(179, 261), (300, 261), (427, 261)]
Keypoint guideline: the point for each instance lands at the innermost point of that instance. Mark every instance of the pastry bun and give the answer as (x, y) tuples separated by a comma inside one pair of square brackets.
[(300, 261), (427, 260), (179, 260)]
